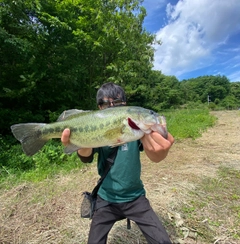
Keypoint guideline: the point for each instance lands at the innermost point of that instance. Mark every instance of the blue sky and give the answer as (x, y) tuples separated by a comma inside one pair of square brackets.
[(199, 37)]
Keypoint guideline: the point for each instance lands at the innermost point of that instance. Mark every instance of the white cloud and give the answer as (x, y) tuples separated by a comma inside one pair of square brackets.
[(195, 29)]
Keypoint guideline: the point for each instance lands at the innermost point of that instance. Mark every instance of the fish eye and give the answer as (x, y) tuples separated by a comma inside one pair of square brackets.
[(152, 112)]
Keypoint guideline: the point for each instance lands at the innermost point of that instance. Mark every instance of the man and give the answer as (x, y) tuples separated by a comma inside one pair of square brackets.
[(122, 194)]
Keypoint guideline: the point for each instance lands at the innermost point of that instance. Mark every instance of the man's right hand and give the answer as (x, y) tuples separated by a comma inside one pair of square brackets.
[(65, 138)]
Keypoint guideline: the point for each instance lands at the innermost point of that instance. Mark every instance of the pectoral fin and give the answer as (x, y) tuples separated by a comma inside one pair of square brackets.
[(113, 133), (70, 148)]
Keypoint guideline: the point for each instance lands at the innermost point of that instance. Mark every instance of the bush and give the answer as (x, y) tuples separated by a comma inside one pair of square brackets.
[(47, 162)]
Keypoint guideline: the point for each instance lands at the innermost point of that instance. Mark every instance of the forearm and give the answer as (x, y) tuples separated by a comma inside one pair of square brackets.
[(156, 156), (85, 152), (85, 155)]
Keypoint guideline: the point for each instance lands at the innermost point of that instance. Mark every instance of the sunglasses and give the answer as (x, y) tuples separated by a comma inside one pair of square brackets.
[(113, 103)]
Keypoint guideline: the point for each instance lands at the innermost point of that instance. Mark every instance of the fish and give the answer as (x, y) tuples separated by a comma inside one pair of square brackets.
[(113, 126)]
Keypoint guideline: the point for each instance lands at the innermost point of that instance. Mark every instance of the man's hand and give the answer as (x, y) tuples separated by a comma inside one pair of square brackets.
[(155, 146), (65, 137), (85, 152)]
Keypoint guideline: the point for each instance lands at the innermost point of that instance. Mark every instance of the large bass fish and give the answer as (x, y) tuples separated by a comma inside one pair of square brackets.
[(91, 129)]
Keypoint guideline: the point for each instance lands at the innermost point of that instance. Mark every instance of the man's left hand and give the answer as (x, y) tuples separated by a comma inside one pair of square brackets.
[(156, 146)]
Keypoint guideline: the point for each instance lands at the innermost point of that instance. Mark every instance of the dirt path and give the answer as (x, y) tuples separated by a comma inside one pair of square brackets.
[(49, 212)]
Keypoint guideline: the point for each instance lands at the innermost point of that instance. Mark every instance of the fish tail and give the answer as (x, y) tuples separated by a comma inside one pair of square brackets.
[(30, 136)]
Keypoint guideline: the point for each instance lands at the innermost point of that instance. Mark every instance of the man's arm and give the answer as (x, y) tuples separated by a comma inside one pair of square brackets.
[(84, 152), (156, 147)]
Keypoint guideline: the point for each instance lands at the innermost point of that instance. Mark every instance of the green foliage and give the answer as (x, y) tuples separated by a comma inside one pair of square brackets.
[(235, 90), (230, 102), (160, 92), (54, 54), (15, 165), (217, 87)]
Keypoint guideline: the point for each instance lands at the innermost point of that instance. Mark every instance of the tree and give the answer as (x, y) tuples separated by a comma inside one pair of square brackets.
[(201, 87), (159, 92), (55, 54), (230, 102), (235, 90)]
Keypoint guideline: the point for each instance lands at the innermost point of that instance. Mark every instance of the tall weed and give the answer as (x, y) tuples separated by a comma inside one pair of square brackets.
[(15, 165)]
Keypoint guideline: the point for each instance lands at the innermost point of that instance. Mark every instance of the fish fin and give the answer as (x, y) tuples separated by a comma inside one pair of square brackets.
[(30, 136), (70, 148), (118, 144), (67, 114)]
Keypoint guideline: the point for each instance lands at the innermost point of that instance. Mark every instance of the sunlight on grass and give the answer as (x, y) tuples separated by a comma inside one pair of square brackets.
[(189, 123), (214, 201)]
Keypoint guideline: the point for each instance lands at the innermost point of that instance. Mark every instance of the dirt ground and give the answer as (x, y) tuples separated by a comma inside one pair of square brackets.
[(49, 212)]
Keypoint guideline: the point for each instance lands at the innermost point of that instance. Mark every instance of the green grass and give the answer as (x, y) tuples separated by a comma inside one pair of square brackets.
[(189, 123), (16, 167)]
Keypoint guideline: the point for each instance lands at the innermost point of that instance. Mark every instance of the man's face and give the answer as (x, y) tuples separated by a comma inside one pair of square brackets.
[(110, 102)]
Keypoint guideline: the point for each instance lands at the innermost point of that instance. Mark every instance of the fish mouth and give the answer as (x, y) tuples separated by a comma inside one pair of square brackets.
[(160, 128), (132, 124)]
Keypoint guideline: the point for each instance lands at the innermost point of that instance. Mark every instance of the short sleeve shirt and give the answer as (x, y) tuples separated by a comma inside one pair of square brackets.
[(123, 182)]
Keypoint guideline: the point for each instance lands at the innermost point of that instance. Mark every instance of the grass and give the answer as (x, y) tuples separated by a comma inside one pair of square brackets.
[(189, 123), (211, 203), (48, 163)]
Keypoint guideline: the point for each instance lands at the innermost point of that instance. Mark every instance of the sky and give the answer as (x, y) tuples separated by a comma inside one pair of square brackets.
[(199, 37)]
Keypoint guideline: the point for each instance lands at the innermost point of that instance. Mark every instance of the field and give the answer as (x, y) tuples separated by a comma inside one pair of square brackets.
[(195, 191)]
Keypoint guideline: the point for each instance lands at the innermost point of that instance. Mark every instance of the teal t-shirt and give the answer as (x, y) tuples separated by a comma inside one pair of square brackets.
[(123, 182)]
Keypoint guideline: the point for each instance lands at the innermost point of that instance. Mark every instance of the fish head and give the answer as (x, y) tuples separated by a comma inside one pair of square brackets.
[(147, 121)]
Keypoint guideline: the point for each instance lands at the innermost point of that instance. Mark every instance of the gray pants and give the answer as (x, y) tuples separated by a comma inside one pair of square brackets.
[(138, 211)]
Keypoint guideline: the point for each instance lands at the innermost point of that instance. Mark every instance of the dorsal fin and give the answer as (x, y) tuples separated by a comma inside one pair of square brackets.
[(67, 114)]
